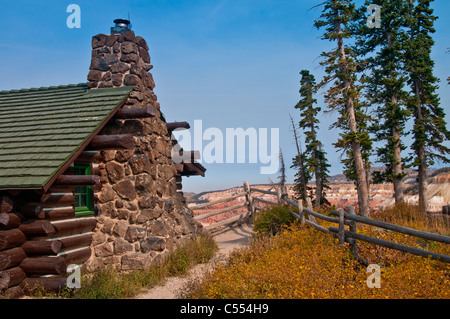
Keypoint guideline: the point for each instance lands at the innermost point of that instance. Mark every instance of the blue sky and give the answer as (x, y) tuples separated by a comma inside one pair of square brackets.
[(229, 63)]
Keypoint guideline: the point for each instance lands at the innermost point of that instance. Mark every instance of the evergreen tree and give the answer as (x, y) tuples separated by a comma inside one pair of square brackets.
[(315, 158), (344, 94), (429, 128), (302, 176), (384, 51)]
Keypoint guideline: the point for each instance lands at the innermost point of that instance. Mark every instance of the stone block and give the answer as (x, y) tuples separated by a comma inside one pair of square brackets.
[(131, 57), (123, 214), (133, 261), (144, 55), (141, 42), (99, 64), (104, 250), (120, 67), (115, 171), (153, 244), (140, 164), (148, 214), (129, 36), (124, 155), (105, 84), (116, 79), (157, 228), (111, 40), (120, 228), (98, 238), (149, 201), (122, 246), (125, 189), (107, 194), (131, 79), (129, 47), (144, 184), (135, 233), (108, 226), (94, 75), (99, 40)]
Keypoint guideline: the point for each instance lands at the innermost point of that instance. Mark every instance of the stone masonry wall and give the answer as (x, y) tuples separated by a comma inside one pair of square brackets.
[(141, 216)]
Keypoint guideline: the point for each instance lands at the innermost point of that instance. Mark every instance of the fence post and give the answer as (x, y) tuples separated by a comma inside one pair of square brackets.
[(310, 207), (341, 234), (286, 191), (352, 228), (279, 195), (300, 211), (249, 199)]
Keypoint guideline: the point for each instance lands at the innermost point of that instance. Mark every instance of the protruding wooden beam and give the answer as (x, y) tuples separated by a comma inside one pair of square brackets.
[(14, 277), (77, 256), (136, 113), (44, 265), (190, 169), (9, 220), (57, 200), (52, 283), (179, 167), (112, 142), (42, 247), (74, 226), (37, 228), (11, 238), (75, 241), (89, 157), (178, 125), (6, 204), (77, 180), (60, 213), (11, 257), (32, 210)]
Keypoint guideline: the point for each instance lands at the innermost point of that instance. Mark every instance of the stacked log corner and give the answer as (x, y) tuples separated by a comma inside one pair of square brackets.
[(39, 238), (11, 254)]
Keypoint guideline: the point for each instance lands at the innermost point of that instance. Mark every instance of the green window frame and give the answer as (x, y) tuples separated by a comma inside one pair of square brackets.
[(83, 194)]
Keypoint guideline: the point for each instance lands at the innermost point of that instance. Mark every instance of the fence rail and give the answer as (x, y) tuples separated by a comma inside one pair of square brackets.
[(308, 215)]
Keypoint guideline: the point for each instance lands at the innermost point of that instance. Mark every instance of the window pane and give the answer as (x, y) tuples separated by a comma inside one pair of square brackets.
[(83, 200), (77, 200)]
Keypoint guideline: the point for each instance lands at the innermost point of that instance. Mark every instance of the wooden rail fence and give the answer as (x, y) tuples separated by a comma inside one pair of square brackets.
[(308, 215)]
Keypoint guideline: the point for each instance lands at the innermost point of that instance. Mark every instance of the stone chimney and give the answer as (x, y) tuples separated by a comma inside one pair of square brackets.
[(141, 215), (122, 59)]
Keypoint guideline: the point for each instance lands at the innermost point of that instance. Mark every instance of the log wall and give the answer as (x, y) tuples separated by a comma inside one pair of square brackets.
[(40, 236)]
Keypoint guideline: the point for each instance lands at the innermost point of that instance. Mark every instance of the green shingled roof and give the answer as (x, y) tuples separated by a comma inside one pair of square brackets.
[(40, 129)]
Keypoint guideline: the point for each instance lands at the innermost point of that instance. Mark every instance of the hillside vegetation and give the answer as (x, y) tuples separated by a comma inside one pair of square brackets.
[(301, 262)]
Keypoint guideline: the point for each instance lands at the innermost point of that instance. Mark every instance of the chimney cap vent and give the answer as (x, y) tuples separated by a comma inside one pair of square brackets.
[(122, 25)]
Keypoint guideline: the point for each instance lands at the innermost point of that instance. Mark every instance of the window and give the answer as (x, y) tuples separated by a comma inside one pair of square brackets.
[(83, 194)]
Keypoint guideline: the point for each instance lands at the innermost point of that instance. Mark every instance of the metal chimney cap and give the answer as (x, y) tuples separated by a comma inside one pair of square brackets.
[(121, 26), (122, 22)]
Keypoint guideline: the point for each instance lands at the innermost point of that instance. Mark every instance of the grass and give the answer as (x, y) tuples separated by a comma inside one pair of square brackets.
[(110, 283), (303, 263)]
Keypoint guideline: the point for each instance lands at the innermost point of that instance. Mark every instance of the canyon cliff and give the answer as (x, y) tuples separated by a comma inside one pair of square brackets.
[(341, 194)]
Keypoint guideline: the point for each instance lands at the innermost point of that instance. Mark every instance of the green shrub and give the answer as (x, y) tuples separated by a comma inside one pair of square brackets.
[(271, 220)]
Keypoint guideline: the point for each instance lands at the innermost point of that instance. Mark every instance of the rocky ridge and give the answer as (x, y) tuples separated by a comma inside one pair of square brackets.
[(341, 194)]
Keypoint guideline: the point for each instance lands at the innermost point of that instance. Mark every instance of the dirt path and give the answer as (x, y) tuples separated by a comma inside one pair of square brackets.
[(226, 239)]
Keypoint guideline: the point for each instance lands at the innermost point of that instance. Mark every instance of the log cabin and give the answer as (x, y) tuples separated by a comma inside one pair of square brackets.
[(86, 174)]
